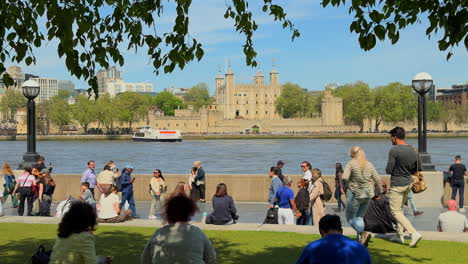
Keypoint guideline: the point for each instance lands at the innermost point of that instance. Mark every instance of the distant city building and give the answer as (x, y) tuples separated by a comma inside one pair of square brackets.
[(110, 81), (48, 88), (66, 85), (179, 92), (314, 92), (457, 94), (148, 93)]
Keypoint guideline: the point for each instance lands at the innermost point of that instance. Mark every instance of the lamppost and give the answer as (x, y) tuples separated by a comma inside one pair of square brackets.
[(30, 91), (422, 83)]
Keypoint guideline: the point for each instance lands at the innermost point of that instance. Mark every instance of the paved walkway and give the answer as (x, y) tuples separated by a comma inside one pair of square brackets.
[(251, 217)]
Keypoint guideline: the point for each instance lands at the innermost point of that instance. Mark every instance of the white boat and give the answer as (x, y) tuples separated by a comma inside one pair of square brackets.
[(156, 135)]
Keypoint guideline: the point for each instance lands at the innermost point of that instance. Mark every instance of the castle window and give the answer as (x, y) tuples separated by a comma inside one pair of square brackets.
[(185, 124), (275, 95), (266, 112), (176, 125), (196, 124), (256, 112), (265, 102), (246, 102), (156, 125), (247, 112), (257, 102), (245, 94), (237, 102), (266, 95), (168, 124), (256, 95)]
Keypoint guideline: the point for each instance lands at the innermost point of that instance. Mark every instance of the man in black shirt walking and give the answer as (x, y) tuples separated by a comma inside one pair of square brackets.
[(458, 181)]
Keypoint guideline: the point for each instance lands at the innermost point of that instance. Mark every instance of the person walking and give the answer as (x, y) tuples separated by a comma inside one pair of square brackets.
[(46, 192), (276, 182), (402, 163), (316, 204), (9, 186), (302, 200), (194, 194), (339, 190), (307, 174), (127, 189), (458, 171), (200, 181), (157, 190), (105, 179), (287, 206), (89, 176), (24, 186), (279, 165), (362, 177), (412, 203)]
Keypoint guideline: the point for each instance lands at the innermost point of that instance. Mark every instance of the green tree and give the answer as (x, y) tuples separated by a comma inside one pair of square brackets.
[(384, 19), (357, 102), (198, 96), (10, 102), (447, 114), (393, 103), (106, 112), (294, 101), (168, 103), (64, 94), (59, 112), (433, 111), (132, 107), (84, 112), (95, 33), (42, 117)]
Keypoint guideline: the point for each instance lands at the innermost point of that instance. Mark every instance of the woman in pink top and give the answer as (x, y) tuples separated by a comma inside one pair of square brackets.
[(24, 187)]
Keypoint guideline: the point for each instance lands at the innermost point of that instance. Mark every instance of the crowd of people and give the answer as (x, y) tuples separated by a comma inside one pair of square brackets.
[(370, 206)]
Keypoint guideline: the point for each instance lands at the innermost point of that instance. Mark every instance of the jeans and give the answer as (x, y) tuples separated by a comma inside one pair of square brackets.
[(157, 204), (338, 196), (411, 201), (128, 196), (356, 208), (460, 186), (30, 200), (303, 219)]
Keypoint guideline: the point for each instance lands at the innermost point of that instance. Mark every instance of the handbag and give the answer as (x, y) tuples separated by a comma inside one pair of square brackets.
[(419, 185), (41, 256)]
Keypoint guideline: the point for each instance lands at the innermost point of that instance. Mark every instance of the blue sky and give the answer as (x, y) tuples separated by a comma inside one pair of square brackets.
[(325, 52)]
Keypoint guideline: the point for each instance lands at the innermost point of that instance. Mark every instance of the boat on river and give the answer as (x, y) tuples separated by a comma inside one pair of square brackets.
[(149, 134)]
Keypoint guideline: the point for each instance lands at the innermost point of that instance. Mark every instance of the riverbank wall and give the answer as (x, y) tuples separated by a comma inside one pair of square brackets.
[(247, 188), (236, 136)]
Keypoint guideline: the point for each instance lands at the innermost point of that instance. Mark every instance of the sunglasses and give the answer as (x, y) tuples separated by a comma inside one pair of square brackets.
[(155, 172), (303, 166)]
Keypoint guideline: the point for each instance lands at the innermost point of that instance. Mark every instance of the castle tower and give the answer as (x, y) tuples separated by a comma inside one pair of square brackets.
[(219, 81), (274, 76), (259, 78), (332, 110)]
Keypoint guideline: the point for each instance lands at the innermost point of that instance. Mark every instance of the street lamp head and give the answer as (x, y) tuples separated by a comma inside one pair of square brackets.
[(422, 82), (30, 89)]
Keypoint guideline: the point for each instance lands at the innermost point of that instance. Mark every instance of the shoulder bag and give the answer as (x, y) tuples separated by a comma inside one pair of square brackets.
[(419, 185)]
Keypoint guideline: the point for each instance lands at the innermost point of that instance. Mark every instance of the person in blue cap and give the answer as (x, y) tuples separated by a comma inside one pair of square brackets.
[(127, 189)]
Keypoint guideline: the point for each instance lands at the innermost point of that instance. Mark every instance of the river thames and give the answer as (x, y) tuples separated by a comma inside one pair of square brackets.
[(252, 156)]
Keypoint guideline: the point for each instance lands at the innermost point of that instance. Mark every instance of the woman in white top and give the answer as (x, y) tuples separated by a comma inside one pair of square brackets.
[(179, 241), (24, 187), (157, 191), (105, 179), (109, 210)]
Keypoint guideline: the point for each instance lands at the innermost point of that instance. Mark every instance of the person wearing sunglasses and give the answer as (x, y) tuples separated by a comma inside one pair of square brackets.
[(157, 189)]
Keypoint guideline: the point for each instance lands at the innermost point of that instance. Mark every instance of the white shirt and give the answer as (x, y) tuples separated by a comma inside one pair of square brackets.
[(106, 209), (307, 175)]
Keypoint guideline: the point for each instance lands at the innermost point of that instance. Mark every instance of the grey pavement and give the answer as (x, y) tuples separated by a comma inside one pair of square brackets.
[(254, 213)]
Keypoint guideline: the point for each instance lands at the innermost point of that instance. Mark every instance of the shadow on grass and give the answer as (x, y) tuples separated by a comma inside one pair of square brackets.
[(229, 253)]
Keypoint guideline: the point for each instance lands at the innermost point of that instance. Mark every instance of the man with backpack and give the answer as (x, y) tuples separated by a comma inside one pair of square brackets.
[(287, 207), (127, 189)]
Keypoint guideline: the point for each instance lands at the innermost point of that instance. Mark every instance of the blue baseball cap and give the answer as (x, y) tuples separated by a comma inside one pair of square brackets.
[(129, 167)]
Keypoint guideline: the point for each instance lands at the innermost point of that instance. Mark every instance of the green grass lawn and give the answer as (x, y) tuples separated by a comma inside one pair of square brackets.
[(19, 241)]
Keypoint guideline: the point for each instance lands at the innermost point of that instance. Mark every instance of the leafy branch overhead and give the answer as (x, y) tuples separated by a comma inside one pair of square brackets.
[(90, 33), (381, 19)]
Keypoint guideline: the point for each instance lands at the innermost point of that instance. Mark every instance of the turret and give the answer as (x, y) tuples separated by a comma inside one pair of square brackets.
[(259, 78), (274, 76)]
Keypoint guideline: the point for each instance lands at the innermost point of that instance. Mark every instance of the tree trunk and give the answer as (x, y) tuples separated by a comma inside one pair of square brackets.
[(361, 126), (85, 128), (445, 126), (377, 124)]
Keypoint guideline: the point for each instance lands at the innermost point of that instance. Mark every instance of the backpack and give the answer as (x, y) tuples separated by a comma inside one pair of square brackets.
[(41, 256), (327, 193), (271, 216), (118, 183)]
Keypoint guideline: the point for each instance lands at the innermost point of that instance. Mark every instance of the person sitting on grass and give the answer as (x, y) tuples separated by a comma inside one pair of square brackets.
[(224, 210), (86, 195), (333, 247), (75, 243), (109, 208), (179, 241)]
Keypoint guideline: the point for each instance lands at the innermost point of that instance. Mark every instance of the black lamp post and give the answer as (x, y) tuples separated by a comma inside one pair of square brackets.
[(30, 91), (422, 84)]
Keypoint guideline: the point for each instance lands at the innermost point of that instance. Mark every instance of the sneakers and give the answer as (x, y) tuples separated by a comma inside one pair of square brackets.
[(418, 212), (152, 217), (365, 238), (398, 239), (461, 210), (415, 238)]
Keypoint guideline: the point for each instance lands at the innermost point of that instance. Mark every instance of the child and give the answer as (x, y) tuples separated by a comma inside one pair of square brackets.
[(86, 195), (302, 201)]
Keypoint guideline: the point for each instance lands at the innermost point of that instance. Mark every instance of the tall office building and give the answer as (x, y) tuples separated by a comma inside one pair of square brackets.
[(48, 88), (110, 81)]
